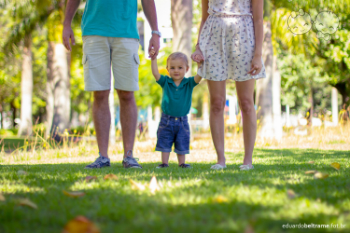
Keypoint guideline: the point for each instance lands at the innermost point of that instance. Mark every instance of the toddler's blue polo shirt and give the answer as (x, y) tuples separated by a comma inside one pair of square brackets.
[(176, 100)]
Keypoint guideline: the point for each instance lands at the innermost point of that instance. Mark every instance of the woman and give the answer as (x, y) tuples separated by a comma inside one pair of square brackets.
[(230, 47)]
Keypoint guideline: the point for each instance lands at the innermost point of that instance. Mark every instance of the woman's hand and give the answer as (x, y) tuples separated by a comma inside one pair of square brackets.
[(256, 65), (197, 56)]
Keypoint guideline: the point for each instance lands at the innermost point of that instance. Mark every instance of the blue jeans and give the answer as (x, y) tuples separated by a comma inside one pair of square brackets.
[(173, 130)]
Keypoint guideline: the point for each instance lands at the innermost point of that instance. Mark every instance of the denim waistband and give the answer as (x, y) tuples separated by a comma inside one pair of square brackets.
[(183, 118)]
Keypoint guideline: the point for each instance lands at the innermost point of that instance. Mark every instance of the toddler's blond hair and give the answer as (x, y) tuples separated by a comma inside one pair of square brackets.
[(177, 55)]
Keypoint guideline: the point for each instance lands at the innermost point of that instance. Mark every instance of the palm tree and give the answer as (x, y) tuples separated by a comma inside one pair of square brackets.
[(26, 89), (181, 18), (310, 45), (268, 89), (58, 82), (275, 28), (58, 93)]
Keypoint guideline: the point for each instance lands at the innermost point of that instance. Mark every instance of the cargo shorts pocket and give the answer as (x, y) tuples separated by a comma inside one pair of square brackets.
[(86, 71), (136, 64), (85, 61), (136, 59)]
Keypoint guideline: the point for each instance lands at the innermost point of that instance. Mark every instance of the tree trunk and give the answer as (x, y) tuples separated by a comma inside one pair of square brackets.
[(181, 18), (311, 110), (264, 87), (26, 89), (58, 77), (49, 88), (335, 106), (14, 113), (341, 87), (58, 88), (1, 116), (276, 100)]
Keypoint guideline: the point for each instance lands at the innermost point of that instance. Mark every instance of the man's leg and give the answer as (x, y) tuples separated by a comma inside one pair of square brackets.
[(128, 119), (97, 78), (102, 120)]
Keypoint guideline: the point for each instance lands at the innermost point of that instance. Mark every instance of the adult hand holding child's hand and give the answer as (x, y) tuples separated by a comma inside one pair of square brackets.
[(151, 53), (197, 56)]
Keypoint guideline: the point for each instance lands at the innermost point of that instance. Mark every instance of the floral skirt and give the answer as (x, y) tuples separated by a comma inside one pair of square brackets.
[(228, 45)]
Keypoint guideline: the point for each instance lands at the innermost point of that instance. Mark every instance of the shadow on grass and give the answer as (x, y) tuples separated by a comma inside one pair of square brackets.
[(256, 197)]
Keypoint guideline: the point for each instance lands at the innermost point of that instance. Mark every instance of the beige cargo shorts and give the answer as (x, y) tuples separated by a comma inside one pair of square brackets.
[(100, 53)]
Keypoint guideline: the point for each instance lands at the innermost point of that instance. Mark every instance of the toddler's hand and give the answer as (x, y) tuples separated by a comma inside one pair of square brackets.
[(199, 64), (197, 56), (151, 53)]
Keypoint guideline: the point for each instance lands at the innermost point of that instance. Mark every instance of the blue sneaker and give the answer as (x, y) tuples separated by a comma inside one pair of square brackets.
[(99, 163), (185, 165), (163, 165), (130, 162)]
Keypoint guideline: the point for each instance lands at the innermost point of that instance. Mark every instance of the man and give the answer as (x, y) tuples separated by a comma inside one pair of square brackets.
[(110, 37)]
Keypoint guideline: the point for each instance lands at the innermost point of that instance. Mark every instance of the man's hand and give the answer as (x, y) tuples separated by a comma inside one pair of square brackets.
[(153, 47), (66, 35)]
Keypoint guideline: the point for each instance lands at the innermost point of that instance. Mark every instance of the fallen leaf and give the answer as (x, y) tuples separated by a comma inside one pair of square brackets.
[(291, 194), (110, 177), (335, 166), (27, 202), (2, 197), (21, 173), (137, 185), (311, 162), (90, 178), (73, 194), (220, 199), (80, 224), (310, 172), (153, 185), (319, 175)]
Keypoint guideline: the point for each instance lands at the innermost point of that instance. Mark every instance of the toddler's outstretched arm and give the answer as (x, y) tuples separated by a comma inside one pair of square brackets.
[(154, 66), (198, 78)]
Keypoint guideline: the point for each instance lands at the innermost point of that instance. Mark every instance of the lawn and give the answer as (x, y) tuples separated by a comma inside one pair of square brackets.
[(276, 193)]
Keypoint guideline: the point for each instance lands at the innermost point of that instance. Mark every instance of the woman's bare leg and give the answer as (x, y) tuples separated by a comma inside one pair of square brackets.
[(217, 91), (245, 93)]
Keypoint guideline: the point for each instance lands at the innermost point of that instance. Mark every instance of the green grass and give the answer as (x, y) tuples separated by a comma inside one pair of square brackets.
[(187, 201), (12, 143)]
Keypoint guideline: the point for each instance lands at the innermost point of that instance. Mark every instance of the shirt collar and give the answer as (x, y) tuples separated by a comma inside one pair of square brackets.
[(183, 82)]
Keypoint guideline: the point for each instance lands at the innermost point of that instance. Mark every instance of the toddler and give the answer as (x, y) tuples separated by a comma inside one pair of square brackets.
[(176, 104)]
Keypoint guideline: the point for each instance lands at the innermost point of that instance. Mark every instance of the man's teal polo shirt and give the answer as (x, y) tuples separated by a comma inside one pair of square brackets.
[(110, 18), (176, 100)]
